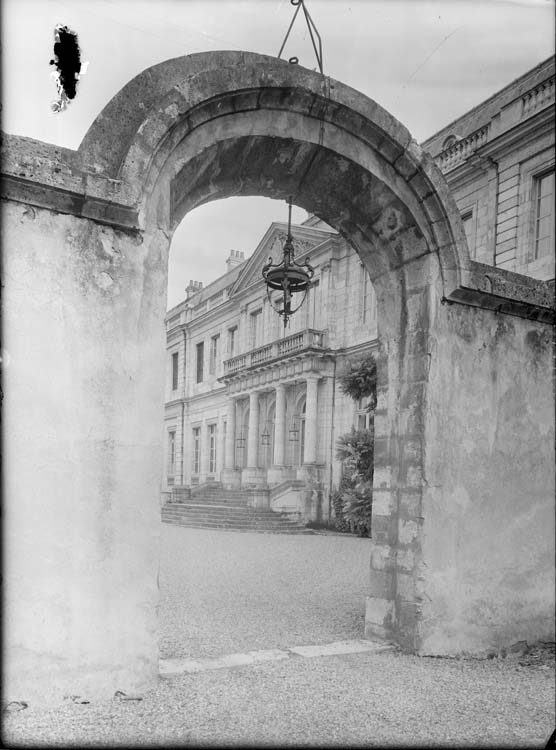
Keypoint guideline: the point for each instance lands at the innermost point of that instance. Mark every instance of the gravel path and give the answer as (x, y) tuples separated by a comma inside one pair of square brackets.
[(226, 592)]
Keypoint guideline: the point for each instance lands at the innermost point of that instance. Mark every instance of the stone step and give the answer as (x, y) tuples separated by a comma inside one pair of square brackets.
[(222, 523), (281, 521), (229, 519), (237, 527), (209, 506), (225, 509), (215, 501)]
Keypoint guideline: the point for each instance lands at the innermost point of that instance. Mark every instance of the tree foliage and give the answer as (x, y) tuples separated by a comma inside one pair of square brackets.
[(360, 379), (354, 499), (356, 450), (355, 496)]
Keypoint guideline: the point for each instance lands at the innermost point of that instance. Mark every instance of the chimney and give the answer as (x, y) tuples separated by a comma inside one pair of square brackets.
[(194, 287), (236, 259)]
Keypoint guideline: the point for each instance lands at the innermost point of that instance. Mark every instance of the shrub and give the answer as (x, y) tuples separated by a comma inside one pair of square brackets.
[(355, 495)]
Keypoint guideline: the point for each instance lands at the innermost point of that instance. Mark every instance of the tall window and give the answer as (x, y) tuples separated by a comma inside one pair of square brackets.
[(200, 361), (212, 448), (232, 341), (544, 215), (171, 456), (364, 417), (469, 229), (175, 361), (214, 347), (196, 450), (255, 329)]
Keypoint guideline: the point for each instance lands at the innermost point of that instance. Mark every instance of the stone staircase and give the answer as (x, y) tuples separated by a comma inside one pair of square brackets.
[(212, 507)]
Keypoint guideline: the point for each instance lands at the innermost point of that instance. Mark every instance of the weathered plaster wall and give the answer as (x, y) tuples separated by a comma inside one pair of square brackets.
[(487, 571), (83, 311)]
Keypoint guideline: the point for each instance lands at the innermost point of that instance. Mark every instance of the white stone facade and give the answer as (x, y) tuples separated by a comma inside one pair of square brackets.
[(240, 387)]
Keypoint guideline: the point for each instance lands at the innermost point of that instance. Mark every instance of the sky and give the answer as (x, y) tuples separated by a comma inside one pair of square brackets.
[(425, 61)]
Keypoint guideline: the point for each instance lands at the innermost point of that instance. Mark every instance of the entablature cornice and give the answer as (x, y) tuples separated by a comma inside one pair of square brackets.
[(286, 372)]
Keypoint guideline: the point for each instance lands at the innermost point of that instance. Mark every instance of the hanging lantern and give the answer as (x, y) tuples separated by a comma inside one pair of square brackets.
[(265, 436), (294, 429), (287, 277)]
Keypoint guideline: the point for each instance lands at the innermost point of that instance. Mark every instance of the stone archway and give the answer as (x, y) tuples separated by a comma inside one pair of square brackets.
[(97, 225)]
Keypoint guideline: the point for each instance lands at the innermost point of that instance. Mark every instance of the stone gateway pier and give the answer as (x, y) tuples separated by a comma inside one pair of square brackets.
[(462, 555)]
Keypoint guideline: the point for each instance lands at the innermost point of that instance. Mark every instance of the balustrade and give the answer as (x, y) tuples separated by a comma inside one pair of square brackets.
[(461, 150), (279, 348), (538, 97)]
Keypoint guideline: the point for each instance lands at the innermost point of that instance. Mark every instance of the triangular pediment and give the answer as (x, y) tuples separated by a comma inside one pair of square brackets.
[(305, 239)]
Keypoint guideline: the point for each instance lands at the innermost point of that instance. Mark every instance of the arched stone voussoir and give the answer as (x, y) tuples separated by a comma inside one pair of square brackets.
[(151, 118), (360, 206)]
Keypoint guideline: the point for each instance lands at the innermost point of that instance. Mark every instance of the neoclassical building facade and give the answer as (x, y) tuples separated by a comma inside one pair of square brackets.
[(252, 405)]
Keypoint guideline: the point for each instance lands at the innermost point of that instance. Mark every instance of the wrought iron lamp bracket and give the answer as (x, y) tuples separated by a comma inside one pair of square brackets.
[(298, 4)]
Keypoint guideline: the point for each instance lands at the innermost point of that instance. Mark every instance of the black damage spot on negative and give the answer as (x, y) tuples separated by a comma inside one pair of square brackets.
[(67, 59)]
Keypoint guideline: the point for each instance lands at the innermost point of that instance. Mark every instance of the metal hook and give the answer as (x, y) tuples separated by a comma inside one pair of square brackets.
[(312, 28)]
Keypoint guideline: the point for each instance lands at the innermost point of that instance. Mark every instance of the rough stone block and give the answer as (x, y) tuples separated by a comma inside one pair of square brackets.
[(381, 584), (405, 586), (381, 557), (405, 560), (382, 478), (410, 503), (408, 531), (413, 475), (385, 529), (378, 611)]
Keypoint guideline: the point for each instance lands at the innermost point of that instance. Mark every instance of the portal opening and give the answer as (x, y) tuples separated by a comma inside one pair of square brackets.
[(253, 412)]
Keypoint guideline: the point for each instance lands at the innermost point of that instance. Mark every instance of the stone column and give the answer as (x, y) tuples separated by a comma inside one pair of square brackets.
[(220, 444), (229, 477), (253, 437), (311, 417), (229, 458), (280, 425)]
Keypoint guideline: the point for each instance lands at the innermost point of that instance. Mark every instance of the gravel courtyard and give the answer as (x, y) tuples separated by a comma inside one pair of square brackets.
[(231, 592), (225, 591)]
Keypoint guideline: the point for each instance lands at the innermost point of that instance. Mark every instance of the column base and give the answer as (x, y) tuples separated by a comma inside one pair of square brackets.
[(253, 478), (231, 479), (314, 506)]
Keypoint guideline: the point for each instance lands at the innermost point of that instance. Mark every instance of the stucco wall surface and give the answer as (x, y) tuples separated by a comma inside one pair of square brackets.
[(487, 570), (83, 311)]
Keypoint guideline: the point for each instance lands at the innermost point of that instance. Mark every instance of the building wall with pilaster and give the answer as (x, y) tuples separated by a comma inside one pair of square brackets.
[(492, 158)]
